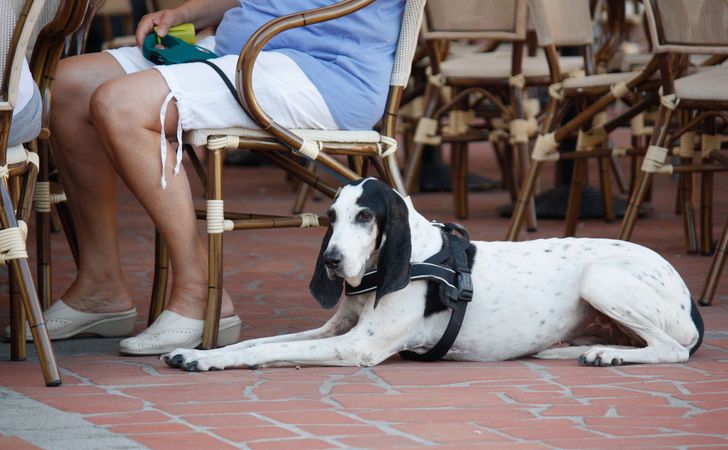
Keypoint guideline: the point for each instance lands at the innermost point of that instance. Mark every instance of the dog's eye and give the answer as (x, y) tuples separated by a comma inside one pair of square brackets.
[(364, 216), (332, 215)]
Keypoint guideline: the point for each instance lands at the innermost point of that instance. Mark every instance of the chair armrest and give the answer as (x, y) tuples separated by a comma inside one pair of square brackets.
[(258, 41)]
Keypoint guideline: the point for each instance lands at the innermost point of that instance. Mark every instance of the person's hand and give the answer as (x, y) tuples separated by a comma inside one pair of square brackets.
[(163, 20)]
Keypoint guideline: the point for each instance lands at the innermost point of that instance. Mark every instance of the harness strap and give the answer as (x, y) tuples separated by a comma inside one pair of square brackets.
[(448, 338)]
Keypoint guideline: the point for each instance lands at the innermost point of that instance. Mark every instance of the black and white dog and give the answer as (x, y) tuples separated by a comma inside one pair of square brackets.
[(611, 301)]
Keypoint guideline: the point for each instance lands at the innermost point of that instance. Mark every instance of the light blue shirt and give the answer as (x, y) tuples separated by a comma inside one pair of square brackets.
[(348, 59)]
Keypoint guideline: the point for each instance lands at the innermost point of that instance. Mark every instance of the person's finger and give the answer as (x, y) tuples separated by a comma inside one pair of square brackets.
[(167, 20), (144, 27)]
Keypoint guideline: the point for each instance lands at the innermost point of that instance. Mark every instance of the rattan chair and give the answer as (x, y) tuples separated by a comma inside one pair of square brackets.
[(679, 28), (18, 20), (283, 147), (591, 93), (499, 77)]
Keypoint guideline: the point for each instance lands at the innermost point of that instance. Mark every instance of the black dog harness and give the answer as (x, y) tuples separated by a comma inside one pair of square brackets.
[(450, 270)]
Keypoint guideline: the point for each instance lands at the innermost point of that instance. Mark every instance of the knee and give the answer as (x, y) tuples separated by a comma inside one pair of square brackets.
[(111, 109), (72, 88)]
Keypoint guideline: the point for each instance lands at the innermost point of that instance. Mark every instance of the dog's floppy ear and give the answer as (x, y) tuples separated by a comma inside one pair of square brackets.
[(393, 263), (323, 288)]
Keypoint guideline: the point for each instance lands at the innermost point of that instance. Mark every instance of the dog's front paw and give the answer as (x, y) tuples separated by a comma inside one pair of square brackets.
[(189, 360), (601, 357)]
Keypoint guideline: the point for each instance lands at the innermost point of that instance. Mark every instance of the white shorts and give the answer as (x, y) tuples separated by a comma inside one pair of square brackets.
[(282, 89)]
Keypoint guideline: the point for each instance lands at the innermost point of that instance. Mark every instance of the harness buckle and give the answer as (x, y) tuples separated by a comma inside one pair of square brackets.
[(465, 287)]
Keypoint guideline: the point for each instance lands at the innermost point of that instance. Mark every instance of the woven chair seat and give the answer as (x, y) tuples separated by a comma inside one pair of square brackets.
[(602, 80), (200, 137), (498, 65), (704, 85)]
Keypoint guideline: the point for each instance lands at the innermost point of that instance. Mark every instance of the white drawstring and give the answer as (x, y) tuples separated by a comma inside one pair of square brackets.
[(163, 141)]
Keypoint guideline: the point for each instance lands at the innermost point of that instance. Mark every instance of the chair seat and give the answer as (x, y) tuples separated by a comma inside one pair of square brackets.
[(498, 65), (704, 85), (602, 80), (200, 137), (17, 157)]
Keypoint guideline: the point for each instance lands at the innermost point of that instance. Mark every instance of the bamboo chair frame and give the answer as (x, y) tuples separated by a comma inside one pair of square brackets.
[(593, 132), (692, 114), (275, 143), (14, 212)]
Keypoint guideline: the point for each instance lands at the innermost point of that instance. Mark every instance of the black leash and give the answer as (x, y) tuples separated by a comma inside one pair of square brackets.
[(225, 79), (449, 269)]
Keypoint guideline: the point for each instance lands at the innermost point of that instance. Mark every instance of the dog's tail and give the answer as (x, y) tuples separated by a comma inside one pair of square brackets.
[(698, 321)]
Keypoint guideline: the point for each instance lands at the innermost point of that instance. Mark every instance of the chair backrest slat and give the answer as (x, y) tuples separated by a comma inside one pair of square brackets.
[(46, 16), (475, 19), (688, 26), (14, 42), (562, 22), (407, 42)]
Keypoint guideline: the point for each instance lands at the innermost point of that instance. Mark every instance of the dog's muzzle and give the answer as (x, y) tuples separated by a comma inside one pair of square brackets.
[(333, 260)]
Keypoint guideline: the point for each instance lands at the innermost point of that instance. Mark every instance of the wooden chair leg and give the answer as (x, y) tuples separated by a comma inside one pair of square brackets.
[(161, 275), (716, 269), (69, 229), (459, 155), (304, 191), (524, 196), (619, 176), (706, 213), (604, 167), (43, 256), (575, 194), (29, 297), (643, 185), (633, 206), (214, 249), (523, 163), (18, 349), (688, 212)]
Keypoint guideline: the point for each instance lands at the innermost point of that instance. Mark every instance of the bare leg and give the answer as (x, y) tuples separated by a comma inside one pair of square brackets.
[(89, 179), (125, 112)]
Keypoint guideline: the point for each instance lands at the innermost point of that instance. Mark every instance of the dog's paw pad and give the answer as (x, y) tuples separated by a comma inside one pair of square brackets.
[(191, 367), (617, 361), (175, 361), (582, 360)]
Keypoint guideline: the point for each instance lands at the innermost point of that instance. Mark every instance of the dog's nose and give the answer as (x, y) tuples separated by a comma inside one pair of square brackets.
[(332, 259)]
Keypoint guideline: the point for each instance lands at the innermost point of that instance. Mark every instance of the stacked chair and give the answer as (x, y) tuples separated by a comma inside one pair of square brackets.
[(567, 23), (699, 102), (283, 148), (19, 169), (462, 83)]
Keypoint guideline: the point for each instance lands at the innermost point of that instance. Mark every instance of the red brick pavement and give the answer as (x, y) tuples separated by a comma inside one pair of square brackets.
[(515, 404)]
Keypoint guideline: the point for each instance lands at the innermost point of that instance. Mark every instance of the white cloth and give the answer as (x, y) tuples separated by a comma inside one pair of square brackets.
[(283, 91), (25, 90)]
